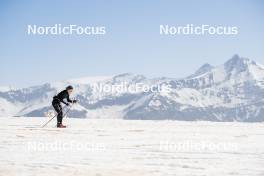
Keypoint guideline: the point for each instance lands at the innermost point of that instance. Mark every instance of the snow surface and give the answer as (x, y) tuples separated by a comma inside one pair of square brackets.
[(124, 147)]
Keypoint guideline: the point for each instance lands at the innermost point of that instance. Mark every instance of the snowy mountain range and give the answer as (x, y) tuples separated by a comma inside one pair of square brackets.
[(233, 91)]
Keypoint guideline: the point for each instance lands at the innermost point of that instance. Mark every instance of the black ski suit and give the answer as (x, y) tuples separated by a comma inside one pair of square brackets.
[(56, 103)]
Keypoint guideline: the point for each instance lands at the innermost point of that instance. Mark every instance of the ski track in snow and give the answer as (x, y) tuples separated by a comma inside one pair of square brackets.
[(131, 148)]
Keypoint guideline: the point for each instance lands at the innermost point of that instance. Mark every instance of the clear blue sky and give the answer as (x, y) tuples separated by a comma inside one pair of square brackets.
[(132, 43)]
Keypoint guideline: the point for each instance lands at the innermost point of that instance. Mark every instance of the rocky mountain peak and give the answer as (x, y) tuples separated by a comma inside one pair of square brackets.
[(238, 64), (204, 68)]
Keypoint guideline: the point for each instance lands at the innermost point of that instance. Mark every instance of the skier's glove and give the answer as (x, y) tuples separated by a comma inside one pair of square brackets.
[(74, 101)]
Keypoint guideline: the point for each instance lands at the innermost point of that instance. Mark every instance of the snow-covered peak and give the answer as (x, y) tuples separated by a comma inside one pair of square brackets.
[(128, 77), (204, 68), (238, 64), (6, 88), (89, 80), (234, 71)]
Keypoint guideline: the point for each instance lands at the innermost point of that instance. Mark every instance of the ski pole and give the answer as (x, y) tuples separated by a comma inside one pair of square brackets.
[(51, 118), (67, 111), (64, 115)]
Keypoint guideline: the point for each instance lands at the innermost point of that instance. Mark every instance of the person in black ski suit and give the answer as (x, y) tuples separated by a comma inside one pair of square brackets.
[(60, 98)]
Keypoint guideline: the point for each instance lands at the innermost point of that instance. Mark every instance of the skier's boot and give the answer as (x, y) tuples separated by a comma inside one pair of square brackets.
[(60, 125)]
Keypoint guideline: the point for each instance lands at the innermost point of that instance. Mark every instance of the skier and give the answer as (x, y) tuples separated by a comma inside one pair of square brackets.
[(60, 98)]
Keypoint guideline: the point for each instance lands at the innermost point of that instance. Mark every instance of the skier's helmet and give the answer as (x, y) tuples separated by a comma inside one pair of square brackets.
[(69, 87)]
